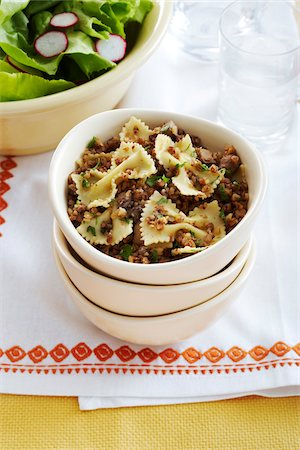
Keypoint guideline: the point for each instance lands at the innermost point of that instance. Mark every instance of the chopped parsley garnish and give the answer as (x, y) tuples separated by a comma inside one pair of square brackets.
[(204, 166), (176, 245), (97, 165), (147, 147), (187, 147), (192, 234), (126, 219), (223, 194), (222, 214), (228, 172), (92, 142), (180, 165), (91, 230), (162, 200), (126, 251), (154, 256), (165, 179), (152, 180), (85, 183)]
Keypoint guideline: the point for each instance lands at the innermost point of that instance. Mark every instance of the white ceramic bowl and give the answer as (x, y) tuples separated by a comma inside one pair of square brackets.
[(160, 330), (191, 268), (37, 125), (143, 300)]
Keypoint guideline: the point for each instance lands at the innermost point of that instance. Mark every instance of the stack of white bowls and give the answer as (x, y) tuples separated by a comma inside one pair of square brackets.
[(153, 304)]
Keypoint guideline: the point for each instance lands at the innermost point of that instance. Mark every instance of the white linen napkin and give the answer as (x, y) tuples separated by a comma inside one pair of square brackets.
[(48, 348)]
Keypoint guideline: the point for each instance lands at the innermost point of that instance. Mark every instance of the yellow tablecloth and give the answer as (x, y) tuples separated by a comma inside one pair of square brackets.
[(29, 423)]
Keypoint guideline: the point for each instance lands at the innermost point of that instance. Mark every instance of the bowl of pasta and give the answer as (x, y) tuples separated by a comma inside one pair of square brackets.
[(154, 197)]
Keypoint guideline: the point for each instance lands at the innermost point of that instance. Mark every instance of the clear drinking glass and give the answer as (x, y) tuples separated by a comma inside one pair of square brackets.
[(259, 67), (195, 26)]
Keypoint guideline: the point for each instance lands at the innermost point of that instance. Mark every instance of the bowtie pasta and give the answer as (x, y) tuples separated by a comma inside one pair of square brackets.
[(155, 194)]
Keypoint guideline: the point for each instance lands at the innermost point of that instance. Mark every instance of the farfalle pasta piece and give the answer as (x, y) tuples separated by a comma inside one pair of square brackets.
[(134, 130), (184, 184), (173, 154), (211, 175), (162, 145), (94, 230), (160, 221), (186, 149), (125, 150), (138, 165), (84, 181), (182, 155), (210, 214), (207, 179)]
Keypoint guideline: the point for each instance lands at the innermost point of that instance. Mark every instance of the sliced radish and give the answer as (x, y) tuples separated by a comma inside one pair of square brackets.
[(113, 48), (64, 20), (51, 43), (21, 68), (14, 63)]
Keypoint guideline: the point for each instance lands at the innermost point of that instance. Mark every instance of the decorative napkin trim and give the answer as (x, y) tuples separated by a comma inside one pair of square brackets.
[(81, 358), (5, 166)]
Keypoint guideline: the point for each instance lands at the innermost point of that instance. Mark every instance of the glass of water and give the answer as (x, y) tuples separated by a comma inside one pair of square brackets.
[(259, 68), (195, 25)]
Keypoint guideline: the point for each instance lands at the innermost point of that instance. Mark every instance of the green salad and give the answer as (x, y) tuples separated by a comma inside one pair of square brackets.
[(49, 46)]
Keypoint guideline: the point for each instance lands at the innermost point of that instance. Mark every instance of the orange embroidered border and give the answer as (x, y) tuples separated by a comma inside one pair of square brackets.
[(145, 370), (81, 353), (5, 166)]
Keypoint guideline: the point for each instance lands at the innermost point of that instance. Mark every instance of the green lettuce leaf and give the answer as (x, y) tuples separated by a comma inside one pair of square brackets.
[(79, 43), (5, 67), (11, 47), (21, 68), (40, 5), (22, 86), (143, 9), (10, 7), (88, 23), (81, 50), (17, 26), (94, 19), (109, 18), (40, 23), (92, 26)]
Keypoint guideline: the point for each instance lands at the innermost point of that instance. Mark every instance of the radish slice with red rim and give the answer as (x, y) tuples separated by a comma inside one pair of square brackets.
[(13, 64), (64, 20), (51, 43), (113, 48)]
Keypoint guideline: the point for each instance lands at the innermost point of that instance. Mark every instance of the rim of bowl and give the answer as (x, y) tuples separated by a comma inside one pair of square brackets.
[(238, 282), (61, 243), (132, 61), (70, 232)]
